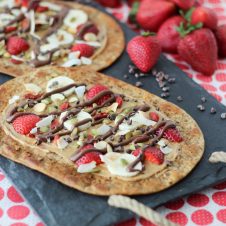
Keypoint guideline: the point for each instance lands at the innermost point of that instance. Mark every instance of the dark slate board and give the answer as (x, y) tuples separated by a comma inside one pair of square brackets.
[(60, 205)]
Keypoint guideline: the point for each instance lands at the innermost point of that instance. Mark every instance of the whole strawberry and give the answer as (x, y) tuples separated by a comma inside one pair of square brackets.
[(199, 49), (168, 35), (151, 13), (221, 40), (206, 16), (144, 51), (93, 91), (84, 49), (184, 4), (110, 3), (17, 45), (24, 124)]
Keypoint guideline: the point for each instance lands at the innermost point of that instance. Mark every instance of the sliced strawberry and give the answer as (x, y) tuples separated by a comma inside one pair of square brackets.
[(92, 92), (54, 124), (64, 106), (32, 96), (100, 115), (24, 124), (10, 29), (56, 138), (17, 45), (25, 24), (171, 134), (90, 29), (41, 9), (136, 152), (25, 3), (119, 100), (154, 155), (84, 49), (89, 157), (14, 61), (154, 116)]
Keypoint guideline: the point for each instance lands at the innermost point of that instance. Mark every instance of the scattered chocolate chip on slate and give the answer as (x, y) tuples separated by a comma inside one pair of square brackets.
[(201, 107), (213, 110), (136, 75), (165, 95), (203, 99), (142, 74), (179, 98), (223, 115), (172, 80), (125, 76), (154, 72), (139, 84), (166, 89)]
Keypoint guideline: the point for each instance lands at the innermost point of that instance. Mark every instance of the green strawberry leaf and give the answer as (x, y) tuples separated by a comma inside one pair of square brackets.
[(187, 15), (133, 12), (147, 33)]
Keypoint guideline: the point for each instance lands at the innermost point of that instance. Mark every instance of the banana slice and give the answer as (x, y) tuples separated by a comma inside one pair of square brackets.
[(59, 82), (82, 115), (117, 164), (5, 18), (61, 37), (74, 18)]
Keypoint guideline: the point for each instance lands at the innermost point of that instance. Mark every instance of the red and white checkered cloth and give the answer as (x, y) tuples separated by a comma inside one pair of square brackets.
[(205, 208)]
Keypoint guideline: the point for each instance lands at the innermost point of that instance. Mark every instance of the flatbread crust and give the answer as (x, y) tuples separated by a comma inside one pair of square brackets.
[(113, 48), (55, 166)]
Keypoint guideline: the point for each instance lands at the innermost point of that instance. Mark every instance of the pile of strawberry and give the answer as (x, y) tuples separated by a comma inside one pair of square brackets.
[(181, 26)]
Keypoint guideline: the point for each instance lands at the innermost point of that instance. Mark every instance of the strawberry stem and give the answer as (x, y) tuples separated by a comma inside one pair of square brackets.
[(133, 12), (185, 30), (147, 33), (187, 15)]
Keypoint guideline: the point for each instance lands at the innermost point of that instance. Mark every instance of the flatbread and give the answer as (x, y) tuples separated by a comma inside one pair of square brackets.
[(112, 49), (22, 149)]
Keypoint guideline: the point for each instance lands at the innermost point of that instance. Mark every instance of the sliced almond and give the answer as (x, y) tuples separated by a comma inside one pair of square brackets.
[(86, 61), (90, 37), (57, 97), (31, 87), (40, 107)]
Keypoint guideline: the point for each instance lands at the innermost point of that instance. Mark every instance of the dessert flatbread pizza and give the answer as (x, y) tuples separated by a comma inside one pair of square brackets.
[(35, 33), (95, 133)]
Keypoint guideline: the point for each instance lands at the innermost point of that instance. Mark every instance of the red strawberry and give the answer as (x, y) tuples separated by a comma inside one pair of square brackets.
[(93, 91), (221, 40), (54, 124), (85, 50), (32, 96), (14, 61), (110, 3), (89, 157), (184, 4), (154, 155), (199, 49), (151, 13), (171, 134), (10, 29), (64, 106), (56, 138), (17, 45), (41, 9), (90, 29), (100, 116), (25, 23), (144, 51), (206, 16), (154, 116), (168, 35), (24, 124), (119, 100)]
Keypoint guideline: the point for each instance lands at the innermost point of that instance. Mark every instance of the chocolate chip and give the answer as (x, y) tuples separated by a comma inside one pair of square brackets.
[(131, 70), (142, 75), (165, 95), (213, 110), (172, 80), (223, 115), (201, 107), (126, 76), (136, 75), (203, 99), (154, 72), (166, 88), (162, 84), (139, 84), (179, 98)]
